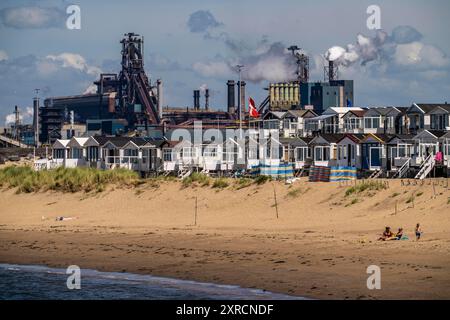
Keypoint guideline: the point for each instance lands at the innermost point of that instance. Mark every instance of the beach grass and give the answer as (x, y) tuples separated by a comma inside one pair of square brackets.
[(365, 186), (220, 183), (26, 180), (259, 180), (294, 193), (196, 178), (242, 183), (410, 199)]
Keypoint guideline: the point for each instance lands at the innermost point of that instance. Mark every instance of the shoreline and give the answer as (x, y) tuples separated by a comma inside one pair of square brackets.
[(316, 249), (155, 285)]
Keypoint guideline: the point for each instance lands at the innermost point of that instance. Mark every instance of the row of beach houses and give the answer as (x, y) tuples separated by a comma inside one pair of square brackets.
[(377, 142)]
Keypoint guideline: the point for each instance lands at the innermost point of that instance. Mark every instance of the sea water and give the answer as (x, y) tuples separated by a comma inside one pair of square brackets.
[(27, 282)]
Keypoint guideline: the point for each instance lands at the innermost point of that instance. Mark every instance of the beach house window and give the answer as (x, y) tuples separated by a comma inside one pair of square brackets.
[(271, 124), (372, 122), (403, 150), (353, 152), (167, 154), (301, 153), (342, 152), (187, 152), (130, 153), (390, 122), (58, 153), (210, 152), (321, 153), (438, 121), (447, 147), (92, 153), (352, 123), (253, 152), (77, 153)]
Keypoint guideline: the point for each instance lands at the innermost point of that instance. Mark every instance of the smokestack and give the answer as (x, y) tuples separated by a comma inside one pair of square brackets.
[(159, 90), (331, 71), (241, 94), (207, 99), (231, 98), (36, 120), (196, 99)]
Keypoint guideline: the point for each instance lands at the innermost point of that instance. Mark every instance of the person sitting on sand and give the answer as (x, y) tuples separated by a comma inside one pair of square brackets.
[(418, 231), (387, 234), (399, 234)]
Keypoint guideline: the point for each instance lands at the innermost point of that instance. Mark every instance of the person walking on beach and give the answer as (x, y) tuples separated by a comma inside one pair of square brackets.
[(418, 231)]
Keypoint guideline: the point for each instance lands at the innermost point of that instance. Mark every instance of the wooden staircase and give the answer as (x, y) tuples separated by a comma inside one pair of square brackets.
[(426, 167)]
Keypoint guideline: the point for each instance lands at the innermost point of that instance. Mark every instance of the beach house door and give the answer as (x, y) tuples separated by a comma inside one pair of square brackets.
[(375, 158)]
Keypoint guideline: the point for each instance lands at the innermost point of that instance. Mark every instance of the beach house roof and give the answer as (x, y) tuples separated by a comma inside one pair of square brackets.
[(77, 142), (60, 144)]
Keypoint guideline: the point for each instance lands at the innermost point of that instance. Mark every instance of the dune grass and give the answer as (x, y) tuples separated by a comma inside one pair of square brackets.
[(196, 178), (242, 183), (365, 186), (26, 180), (220, 183), (259, 180)]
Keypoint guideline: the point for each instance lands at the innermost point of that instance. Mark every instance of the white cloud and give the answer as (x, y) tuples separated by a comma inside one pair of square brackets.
[(3, 55), (75, 61), (408, 54), (419, 54), (32, 17), (212, 69)]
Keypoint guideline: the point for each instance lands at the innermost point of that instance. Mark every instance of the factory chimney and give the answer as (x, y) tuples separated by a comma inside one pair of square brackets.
[(196, 99), (159, 90), (241, 95), (206, 99), (330, 70), (36, 119), (231, 98)]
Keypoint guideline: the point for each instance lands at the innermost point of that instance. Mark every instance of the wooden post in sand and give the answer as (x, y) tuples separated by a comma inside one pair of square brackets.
[(434, 191), (275, 197), (195, 215)]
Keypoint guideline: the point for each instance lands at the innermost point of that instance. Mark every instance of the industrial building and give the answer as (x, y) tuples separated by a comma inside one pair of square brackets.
[(129, 102)]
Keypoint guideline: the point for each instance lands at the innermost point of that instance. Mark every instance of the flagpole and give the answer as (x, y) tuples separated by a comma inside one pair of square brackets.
[(239, 68)]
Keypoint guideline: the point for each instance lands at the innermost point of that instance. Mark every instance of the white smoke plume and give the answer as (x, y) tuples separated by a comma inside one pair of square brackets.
[(203, 88), (26, 116), (364, 50), (264, 61), (401, 49)]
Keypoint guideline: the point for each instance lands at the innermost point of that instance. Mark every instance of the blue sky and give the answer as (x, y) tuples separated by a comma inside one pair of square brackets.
[(190, 44)]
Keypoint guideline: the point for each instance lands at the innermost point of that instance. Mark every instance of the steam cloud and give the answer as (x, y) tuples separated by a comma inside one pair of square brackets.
[(264, 61), (27, 115), (401, 48)]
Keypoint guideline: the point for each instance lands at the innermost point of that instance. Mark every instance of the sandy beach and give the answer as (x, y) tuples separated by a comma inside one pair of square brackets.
[(319, 246)]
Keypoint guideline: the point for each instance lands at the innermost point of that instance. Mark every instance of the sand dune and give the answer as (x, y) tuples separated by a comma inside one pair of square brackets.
[(319, 246)]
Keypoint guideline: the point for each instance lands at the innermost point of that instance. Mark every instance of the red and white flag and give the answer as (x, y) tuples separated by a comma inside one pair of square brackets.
[(252, 109)]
